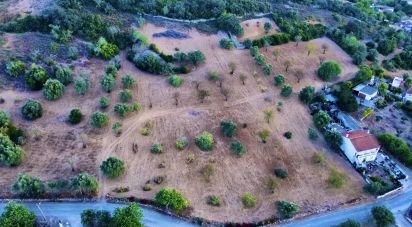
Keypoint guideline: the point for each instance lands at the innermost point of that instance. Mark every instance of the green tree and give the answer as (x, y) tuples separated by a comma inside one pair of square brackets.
[(228, 127), (196, 57), (205, 141), (156, 148), (75, 116), (321, 119), (85, 184), (113, 167), (64, 74), (307, 94), (364, 74), (286, 90), (128, 81), (108, 82), (5, 120), (328, 70), (36, 77), (28, 186), (238, 147), (88, 217), (383, 216), (254, 50), (267, 69), (286, 209), (53, 89), (15, 68), (32, 110), (279, 80), (81, 85), (10, 153), (248, 200), (267, 26), (230, 23), (172, 199), (349, 223), (260, 59), (104, 102), (175, 80), (382, 88), (130, 216), (99, 119), (17, 215), (123, 109), (334, 139), (105, 49), (125, 95), (181, 143), (226, 43)]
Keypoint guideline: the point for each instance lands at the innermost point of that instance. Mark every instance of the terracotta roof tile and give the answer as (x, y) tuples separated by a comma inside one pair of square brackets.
[(362, 140)]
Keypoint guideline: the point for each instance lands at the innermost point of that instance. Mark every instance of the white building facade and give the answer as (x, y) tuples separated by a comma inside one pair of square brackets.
[(359, 147)]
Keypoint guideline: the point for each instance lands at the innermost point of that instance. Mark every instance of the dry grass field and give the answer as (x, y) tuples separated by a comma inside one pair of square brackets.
[(53, 142)]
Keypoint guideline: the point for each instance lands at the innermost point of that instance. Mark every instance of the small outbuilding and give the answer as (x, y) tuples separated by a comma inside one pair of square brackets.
[(365, 91)]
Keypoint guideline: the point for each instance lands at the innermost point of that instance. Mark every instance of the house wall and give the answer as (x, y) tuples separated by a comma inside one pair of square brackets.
[(407, 97), (357, 157), (366, 156), (368, 97)]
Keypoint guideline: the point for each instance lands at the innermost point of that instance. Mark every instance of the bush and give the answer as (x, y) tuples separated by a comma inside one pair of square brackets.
[(15, 214), (336, 179), (321, 119), (99, 119), (205, 141), (104, 102), (226, 43), (105, 49), (334, 139), (85, 184), (228, 127), (230, 23), (125, 95), (248, 200), (260, 59), (171, 198), (108, 82), (128, 81), (254, 50), (288, 135), (281, 173), (267, 69), (319, 158), (279, 80), (349, 223), (112, 167), (151, 63), (213, 200), (81, 86), (383, 216), (196, 57), (397, 147), (213, 75), (175, 80), (28, 186), (286, 209), (328, 70), (75, 116), (10, 153), (123, 109), (36, 77), (15, 68), (32, 110), (64, 74), (129, 216), (286, 90), (73, 53), (53, 89), (238, 148), (312, 134), (181, 143), (307, 94), (156, 148)]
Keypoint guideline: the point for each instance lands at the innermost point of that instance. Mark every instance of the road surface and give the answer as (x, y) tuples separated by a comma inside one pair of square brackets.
[(70, 212)]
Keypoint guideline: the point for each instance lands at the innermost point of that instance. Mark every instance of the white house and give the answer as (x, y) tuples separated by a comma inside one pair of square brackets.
[(365, 92), (397, 82), (359, 146), (408, 95)]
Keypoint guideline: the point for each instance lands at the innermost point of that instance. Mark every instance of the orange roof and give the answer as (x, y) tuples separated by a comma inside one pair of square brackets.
[(362, 140)]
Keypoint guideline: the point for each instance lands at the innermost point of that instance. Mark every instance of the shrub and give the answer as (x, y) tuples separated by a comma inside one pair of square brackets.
[(312, 134), (175, 80), (267, 69), (123, 109), (15, 214), (307, 94), (99, 119), (156, 148), (213, 200), (32, 110), (205, 141), (328, 70), (81, 86), (130, 215), (213, 75), (128, 81), (286, 209), (260, 59), (321, 119), (73, 53), (207, 171), (28, 186), (196, 57), (104, 102), (288, 135), (4, 120), (272, 184), (336, 179), (150, 62), (53, 89), (226, 43), (383, 216), (75, 116), (238, 148), (264, 135), (319, 158), (105, 49), (254, 50), (281, 173), (279, 80), (248, 200), (112, 167), (64, 74), (349, 223), (108, 82), (15, 68), (375, 188), (36, 77), (125, 95), (228, 127), (181, 143), (286, 90), (10, 153), (334, 139), (230, 23), (397, 147), (172, 199), (85, 184)]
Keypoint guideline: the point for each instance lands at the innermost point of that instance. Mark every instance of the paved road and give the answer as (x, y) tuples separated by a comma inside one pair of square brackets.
[(398, 203), (71, 212)]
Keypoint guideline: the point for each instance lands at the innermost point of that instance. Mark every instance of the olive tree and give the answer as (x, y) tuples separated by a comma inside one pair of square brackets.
[(53, 89), (128, 81), (286, 209), (85, 184), (329, 70), (228, 127), (10, 153), (28, 186), (81, 85), (99, 119), (36, 77), (108, 82), (205, 141), (15, 68), (129, 216), (15, 214), (307, 94), (75, 116), (64, 74), (32, 110), (171, 198), (113, 167)]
